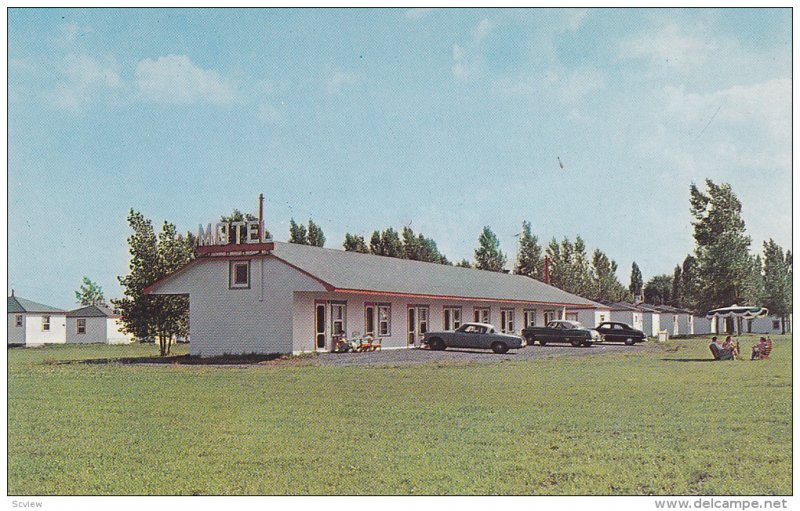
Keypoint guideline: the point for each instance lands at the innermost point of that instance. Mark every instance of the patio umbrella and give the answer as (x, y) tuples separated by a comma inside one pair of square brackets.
[(739, 312)]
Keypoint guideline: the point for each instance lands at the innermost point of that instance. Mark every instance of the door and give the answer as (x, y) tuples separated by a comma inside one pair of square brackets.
[(320, 327), (417, 323)]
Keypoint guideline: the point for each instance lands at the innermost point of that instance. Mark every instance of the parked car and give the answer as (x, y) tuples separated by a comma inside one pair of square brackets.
[(561, 330), (613, 331), (473, 335)]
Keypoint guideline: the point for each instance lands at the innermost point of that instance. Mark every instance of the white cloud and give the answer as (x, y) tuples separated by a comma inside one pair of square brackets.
[(484, 29), (83, 76), (671, 45), (70, 32), (268, 113), (175, 79), (575, 18), (338, 80), (571, 86), (415, 14), (565, 86)]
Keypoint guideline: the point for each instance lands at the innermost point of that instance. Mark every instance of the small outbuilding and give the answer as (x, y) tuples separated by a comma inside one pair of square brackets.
[(95, 324), (34, 324), (628, 313)]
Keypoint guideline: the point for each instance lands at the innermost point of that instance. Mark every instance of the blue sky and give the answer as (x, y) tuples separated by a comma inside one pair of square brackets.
[(445, 120)]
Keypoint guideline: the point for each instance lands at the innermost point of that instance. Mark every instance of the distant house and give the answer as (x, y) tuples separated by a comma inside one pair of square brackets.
[(628, 313), (676, 321), (33, 324), (651, 319), (95, 324), (767, 325)]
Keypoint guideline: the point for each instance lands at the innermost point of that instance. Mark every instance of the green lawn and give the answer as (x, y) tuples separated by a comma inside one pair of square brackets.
[(661, 422)]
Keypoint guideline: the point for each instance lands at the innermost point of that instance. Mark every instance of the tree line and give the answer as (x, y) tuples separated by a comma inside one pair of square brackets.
[(722, 271)]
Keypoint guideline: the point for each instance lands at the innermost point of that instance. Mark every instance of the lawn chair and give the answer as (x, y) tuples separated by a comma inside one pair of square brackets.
[(376, 345), (366, 344), (721, 354), (762, 352)]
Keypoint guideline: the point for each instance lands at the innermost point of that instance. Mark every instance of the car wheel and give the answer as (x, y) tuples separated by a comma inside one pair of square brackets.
[(629, 342), (586, 344), (437, 344), (576, 343), (542, 343), (499, 347)]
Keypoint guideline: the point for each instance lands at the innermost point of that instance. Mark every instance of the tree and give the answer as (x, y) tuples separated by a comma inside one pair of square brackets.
[(150, 317), (420, 248), (89, 293), (355, 243), (387, 244), (569, 266), (676, 297), (315, 235), (658, 290), (605, 285), (777, 281), (529, 258), (637, 283), (690, 285), (722, 247), (238, 216), (297, 233), (488, 255), (464, 263)]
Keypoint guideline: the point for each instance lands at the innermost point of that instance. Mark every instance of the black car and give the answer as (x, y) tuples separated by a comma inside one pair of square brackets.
[(613, 331)]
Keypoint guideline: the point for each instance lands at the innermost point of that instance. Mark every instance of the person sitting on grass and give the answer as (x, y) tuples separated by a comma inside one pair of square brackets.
[(720, 352), (732, 346), (760, 349)]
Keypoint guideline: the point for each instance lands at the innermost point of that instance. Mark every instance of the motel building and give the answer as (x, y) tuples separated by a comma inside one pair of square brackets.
[(271, 297)]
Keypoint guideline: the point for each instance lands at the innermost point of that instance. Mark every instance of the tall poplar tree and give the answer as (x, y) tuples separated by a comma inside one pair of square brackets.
[(488, 255), (297, 233), (355, 243), (529, 258), (777, 281), (637, 284), (722, 247)]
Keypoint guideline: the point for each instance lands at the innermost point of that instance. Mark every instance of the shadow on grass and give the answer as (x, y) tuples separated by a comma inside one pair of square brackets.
[(693, 360), (184, 360)]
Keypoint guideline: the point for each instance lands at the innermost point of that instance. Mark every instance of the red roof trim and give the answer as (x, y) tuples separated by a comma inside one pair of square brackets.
[(463, 298)]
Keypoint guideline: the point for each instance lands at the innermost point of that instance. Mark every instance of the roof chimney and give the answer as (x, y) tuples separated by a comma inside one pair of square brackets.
[(12, 291)]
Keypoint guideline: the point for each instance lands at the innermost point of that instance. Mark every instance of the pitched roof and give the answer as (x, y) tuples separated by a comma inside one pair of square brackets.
[(92, 311), (353, 271), (623, 306), (18, 305)]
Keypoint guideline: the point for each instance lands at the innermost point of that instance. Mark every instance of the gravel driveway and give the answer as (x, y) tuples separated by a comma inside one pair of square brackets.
[(419, 356)]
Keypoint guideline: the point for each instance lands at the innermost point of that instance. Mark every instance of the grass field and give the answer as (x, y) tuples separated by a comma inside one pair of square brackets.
[(666, 421)]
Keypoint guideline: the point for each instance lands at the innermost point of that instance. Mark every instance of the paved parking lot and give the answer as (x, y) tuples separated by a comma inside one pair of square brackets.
[(419, 356)]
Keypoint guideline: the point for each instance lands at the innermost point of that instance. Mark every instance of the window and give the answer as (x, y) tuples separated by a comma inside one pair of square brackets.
[(240, 275), (369, 319), (482, 315), (45, 323), (385, 319), (572, 316), (528, 318), (338, 318), (81, 325), (452, 318), (19, 320), (507, 321), (776, 324), (549, 316), (383, 322)]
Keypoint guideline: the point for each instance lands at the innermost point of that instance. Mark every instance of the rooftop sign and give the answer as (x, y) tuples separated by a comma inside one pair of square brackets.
[(230, 233)]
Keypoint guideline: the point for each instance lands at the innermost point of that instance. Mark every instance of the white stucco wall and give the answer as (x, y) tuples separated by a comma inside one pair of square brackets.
[(651, 322), (16, 334), (95, 331), (304, 315), (240, 321), (632, 318), (765, 325), (114, 333), (34, 335)]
